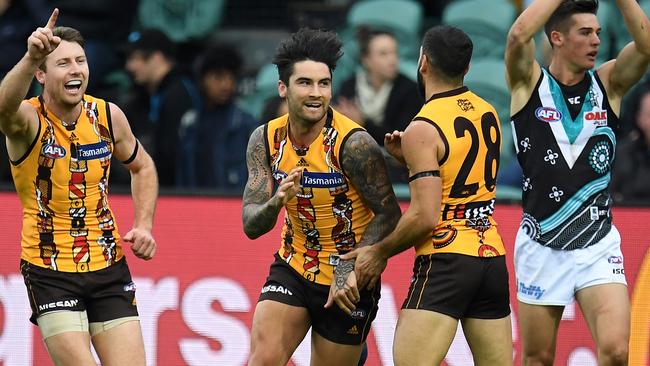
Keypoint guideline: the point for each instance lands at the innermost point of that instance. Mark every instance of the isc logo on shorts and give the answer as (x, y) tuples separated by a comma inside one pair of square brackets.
[(273, 288)]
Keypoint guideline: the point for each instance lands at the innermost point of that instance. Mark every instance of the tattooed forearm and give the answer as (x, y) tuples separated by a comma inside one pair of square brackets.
[(341, 273), (260, 211), (364, 164)]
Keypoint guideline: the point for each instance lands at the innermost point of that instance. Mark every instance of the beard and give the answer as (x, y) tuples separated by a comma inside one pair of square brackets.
[(421, 88)]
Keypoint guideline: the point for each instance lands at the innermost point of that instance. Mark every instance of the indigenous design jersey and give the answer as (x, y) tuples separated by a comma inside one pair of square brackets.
[(469, 128), (566, 159), (327, 217), (62, 181)]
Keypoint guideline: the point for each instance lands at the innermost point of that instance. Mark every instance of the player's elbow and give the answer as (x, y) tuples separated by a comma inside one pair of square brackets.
[(425, 221), (252, 229), (251, 233), (643, 48), (518, 35), (11, 126)]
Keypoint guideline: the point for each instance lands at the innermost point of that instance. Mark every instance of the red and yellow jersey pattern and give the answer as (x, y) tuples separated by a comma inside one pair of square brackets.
[(327, 217), (62, 181), (469, 128)]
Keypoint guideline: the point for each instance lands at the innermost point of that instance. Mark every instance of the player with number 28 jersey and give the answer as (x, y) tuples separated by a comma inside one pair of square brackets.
[(470, 130)]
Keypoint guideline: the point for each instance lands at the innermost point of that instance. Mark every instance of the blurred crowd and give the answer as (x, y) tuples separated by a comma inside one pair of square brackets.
[(194, 76)]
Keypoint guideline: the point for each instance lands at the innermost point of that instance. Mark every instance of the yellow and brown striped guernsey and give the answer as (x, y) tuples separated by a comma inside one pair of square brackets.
[(327, 217), (470, 130), (62, 181)]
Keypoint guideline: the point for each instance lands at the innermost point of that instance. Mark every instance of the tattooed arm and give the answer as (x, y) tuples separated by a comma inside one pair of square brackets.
[(364, 164), (422, 146), (260, 206)]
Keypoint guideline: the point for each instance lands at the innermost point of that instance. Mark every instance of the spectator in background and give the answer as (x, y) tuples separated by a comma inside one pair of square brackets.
[(378, 96), (631, 172), (213, 147), (167, 97), (105, 27), (17, 21), (274, 107)]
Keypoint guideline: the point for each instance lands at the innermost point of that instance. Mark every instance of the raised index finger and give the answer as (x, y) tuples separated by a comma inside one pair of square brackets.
[(52, 21)]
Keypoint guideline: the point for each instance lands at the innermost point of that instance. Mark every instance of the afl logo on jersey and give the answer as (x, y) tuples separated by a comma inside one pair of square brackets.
[(547, 114), (53, 151), (279, 175)]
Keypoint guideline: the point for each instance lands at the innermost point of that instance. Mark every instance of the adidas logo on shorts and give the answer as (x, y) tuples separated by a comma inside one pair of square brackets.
[(353, 330)]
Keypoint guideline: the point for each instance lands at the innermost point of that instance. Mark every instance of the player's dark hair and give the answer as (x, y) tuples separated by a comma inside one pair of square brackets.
[(307, 44), (559, 20), (448, 50)]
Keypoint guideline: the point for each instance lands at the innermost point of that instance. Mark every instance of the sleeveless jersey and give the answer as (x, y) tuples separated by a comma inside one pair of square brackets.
[(566, 163), (62, 181), (469, 128), (327, 217)]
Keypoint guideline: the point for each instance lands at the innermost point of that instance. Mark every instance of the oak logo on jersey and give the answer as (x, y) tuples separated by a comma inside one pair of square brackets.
[(597, 116), (322, 180), (53, 151), (94, 151), (548, 114)]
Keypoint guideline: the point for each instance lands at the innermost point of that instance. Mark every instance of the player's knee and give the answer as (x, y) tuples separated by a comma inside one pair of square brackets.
[(403, 357), (262, 356), (538, 358), (264, 352), (615, 352)]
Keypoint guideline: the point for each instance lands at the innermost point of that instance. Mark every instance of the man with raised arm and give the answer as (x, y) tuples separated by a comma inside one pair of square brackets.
[(60, 145), (331, 180), (565, 120)]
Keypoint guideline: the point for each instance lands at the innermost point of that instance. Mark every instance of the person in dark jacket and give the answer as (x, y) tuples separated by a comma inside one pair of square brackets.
[(213, 146), (168, 96), (378, 96), (631, 172)]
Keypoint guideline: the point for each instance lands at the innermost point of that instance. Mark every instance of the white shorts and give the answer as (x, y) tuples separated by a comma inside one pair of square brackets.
[(548, 276)]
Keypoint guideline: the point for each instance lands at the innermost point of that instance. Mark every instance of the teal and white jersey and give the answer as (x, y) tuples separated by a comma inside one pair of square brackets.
[(565, 138)]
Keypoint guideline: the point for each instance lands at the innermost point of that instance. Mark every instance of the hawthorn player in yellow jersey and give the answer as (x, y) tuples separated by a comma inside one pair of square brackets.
[(331, 179), (451, 149), (60, 146)]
